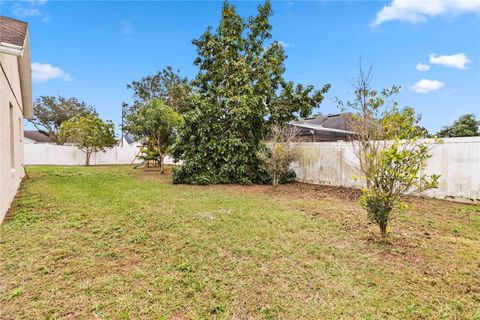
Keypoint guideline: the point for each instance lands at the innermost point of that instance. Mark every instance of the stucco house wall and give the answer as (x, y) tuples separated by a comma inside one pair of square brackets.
[(15, 104)]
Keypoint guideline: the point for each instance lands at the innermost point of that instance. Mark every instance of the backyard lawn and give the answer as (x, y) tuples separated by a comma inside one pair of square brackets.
[(117, 243)]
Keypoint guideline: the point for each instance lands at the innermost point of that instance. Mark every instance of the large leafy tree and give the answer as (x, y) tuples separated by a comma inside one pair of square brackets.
[(155, 123), (167, 85), (91, 133), (240, 92), (465, 126), (50, 112)]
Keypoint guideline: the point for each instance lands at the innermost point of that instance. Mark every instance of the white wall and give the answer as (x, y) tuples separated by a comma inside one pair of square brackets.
[(457, 160), (11, 131), (52, 154)]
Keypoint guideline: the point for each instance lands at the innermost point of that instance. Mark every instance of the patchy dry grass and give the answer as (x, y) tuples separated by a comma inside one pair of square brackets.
[(116, 243)]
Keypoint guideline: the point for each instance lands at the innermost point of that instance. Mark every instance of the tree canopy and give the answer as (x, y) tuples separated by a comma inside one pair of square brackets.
[(466, 125), (156, 124), (167, 85), (91, 134), (50, 112), (240, 92)]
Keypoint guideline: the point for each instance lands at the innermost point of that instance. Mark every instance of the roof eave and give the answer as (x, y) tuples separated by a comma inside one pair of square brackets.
[(25, 71), (11, 49), (319, 128)]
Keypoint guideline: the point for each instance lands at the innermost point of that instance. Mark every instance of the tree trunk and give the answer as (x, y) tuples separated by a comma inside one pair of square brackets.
[(383, 229), (88, 154), (162, 167)]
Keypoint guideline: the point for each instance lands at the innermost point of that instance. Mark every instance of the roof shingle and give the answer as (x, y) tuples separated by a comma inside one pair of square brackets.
[(12, 31)]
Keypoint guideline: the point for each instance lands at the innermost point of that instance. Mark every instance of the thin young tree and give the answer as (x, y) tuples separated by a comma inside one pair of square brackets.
[(91, 134), (278, 153), (156, 124), (390, 149)]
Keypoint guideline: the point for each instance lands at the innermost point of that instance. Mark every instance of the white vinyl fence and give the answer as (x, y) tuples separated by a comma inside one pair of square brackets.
[(457, 160), (52, 154)]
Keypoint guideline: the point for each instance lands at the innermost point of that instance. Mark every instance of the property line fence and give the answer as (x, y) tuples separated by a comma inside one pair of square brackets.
[(52, 154), (457, 161)]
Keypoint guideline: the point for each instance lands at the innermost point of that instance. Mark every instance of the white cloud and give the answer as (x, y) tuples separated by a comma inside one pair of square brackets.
[(31, 10), (458, 60), (414, 11), (425, 85), (423, 67), (44, 72), (23, 12), (46, 17)]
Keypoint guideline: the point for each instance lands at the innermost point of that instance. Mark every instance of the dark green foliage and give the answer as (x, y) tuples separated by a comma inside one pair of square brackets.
[(465, 126), (50, 112), (240, 92), (166, 85)]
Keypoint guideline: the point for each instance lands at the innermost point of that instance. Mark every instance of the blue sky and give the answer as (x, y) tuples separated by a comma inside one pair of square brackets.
[(91, 50)]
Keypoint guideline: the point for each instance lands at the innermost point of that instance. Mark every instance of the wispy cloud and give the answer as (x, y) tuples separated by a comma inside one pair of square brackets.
[(425, 85), (31, 8), (459, 60), (125, 27), (413, 11), (423, 67), (24, 12), (126, 30), (43, 72), (285, 44)]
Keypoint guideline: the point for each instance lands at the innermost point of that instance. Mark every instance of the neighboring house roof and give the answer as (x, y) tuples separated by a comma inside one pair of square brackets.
[(38, 136), (14, 41), (129, 138), (331, 123)]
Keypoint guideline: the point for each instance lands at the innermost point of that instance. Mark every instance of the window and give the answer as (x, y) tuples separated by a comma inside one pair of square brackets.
[(20, 129), (12, 141)]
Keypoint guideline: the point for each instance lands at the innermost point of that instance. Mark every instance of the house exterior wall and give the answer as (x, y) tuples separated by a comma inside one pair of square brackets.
[(11, 131)]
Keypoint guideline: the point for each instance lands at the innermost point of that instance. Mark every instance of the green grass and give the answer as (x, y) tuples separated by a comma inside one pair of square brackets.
[(116, 243)]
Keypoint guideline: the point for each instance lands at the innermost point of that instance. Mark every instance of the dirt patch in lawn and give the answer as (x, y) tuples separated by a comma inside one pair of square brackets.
[(294, 190)]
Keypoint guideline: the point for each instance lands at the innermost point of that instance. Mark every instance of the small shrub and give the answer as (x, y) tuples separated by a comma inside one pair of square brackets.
[(277, 156)]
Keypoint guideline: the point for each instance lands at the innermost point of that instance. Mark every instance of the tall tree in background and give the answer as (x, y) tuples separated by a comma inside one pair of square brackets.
[(240, 92), (91, 133), (465, 126), (155, 123), (166, 85), (50, 112)]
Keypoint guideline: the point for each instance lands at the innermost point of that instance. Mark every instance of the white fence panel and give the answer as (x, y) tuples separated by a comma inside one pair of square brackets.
[(52, 154), (457, 161)]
